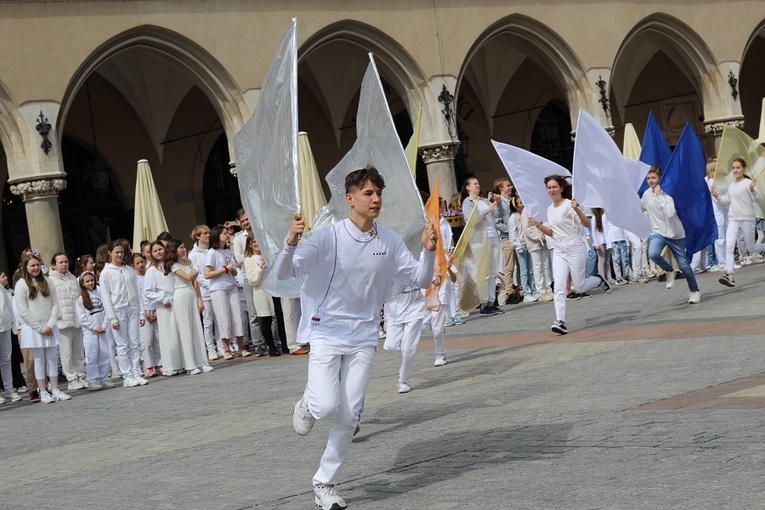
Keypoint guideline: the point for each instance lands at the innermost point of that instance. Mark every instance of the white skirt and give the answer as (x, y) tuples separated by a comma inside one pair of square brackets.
[(31, 339)]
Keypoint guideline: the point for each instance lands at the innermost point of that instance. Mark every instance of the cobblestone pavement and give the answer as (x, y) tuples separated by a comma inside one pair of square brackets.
[(647, 403)]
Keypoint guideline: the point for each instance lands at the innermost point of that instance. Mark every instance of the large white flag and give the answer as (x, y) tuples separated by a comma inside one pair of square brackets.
[(528, 172), (601, 178)]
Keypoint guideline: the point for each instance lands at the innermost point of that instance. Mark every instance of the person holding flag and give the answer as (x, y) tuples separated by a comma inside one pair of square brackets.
[(350, 268), (667, 231)]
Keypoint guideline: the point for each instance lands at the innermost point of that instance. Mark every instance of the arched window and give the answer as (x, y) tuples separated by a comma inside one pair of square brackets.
[(551, 137), (220, 188)]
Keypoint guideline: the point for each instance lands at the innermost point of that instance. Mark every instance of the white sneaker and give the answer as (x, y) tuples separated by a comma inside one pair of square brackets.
[(129, 382), (140, 380), (404, 388), (303, 420), (75, 384), (46, 398), (757, 259), (212, 355), (12, 396), (196, 371), (440, 361), (95, 386), (530, 298), (745, 261), (206, 369), (325, 497), (60, 395), (107, 383), (694, 298), (671, 279)]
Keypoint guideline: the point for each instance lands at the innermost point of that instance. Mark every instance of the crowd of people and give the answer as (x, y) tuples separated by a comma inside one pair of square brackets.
[(130, 314)]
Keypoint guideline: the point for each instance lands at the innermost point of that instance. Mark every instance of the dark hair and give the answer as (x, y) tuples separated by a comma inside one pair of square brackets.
[(463, 190), (37, 283), (144, 243), (563, 182), (356, 179), (514, 203), (98, 269), (597, 213), (171, 254), (55, 256), (102, 253), (248, 251), (80, 263), (154, 262), (164, 236), (656, 169), (84, 293), (215, 233)]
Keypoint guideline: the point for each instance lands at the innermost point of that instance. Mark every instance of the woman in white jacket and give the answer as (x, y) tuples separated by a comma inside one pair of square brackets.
[(254, 265), (37, 305), (71, 350)]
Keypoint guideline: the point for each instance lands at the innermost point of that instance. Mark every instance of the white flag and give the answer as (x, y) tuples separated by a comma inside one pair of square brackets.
[(528, 172), (601, 178)]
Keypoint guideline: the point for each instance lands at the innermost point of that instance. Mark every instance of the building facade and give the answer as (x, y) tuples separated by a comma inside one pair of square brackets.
[(88, 88)]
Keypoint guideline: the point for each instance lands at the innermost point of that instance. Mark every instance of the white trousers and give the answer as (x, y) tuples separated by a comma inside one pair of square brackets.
[(570, 258), (405, 337), (636, 254), (208, 320), (435, 319), (150, 344), (228, 318), (96, 355), (127, 340), (72, 353), (290, 312), (540, 263), (737, 228), (338, 376), (45, 357), (721, 217), (5, 360)]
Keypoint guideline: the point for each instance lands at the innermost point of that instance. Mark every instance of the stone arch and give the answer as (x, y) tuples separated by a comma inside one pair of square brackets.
[(390, 57), (542, 45), (751, 85), (11, 123), (200, 66), (686, 49)]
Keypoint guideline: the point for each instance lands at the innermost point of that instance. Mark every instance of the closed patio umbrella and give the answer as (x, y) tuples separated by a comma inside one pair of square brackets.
[(149, 219)]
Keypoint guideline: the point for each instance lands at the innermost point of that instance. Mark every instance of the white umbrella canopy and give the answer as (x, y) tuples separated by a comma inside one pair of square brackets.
[(149, 220), (311, 195)]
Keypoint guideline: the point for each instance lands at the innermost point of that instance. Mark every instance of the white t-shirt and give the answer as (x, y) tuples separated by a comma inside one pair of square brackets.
[(563, 221), (349, 275), (406, 307), (216, 259)]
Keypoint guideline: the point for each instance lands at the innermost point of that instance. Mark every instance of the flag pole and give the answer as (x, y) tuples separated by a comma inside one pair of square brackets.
[(717, 159)]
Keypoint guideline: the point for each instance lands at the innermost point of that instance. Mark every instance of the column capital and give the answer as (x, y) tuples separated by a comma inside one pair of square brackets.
[(439, 152), (715, 127), (39, 188)]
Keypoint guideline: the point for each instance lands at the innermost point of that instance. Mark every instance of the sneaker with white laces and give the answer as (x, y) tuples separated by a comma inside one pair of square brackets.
[(75, 384), (206, 369), (129, 381), (530, 298), (195, 371), (106, 383), (95, 386), (212, 355), (671, 279), (404, 387), (302, 419), (60, 395), (449, 322), (559, 327), (140, 380), (694, 298), (46, 398), (440, 361), (325, 497)]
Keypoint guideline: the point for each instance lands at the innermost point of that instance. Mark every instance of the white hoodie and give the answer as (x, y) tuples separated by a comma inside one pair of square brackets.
[(119, 288)]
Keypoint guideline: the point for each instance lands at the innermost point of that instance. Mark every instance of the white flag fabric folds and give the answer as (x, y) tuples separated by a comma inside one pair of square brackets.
[(528, 172), (149, 220), (601, 178), (266, 155), (471, 258), (377, 144)]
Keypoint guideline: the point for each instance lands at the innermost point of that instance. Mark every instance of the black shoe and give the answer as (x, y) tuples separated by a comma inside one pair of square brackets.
[(498, 310), (573, 296), (584, 295), (512, 299), (487, 311), (604, 285), (663, 277), (727, 281), (559, 327), (274, 352)]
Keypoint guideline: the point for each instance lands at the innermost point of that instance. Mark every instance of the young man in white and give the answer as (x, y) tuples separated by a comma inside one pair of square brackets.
[(350, 269)]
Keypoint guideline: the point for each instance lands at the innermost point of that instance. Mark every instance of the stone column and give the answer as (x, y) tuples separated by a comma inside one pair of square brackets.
[(439, 160), (40, 197), (715, 128)]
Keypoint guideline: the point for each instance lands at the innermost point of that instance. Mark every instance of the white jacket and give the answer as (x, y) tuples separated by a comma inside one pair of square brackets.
[(158, 287), (38, 312), (197, 256), (68, 290), (95, 317), (7, 318), (119, 288), (263, 303)]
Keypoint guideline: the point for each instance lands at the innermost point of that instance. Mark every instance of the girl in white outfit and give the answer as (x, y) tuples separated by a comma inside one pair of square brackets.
[(721, 217), (124, 311), (522, 254), (564, 223), (187, 305), (536, 242), (158, 289), (90, 312), (740, 200), (71, 350), (152, 359), (471, 198), (37, 306), (7, 327), (254, 268), (404, 316), (220, 270)]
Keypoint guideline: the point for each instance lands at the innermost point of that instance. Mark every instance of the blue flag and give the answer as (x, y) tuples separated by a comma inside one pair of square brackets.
[(655, 150), (683, 180)]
